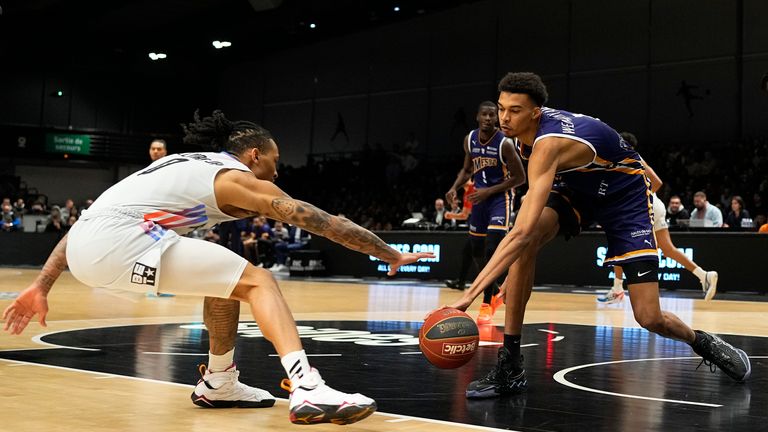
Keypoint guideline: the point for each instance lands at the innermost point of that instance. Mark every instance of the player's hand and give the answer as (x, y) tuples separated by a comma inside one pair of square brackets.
[(435, 310), (407, 258), (30, 302), (462, 304), (479, 195), (450, 196)]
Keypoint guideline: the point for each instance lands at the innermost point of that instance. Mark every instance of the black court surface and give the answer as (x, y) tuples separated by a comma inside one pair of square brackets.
[(581, 378)]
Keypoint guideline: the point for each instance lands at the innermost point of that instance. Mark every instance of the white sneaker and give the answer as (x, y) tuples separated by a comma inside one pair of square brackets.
[(278, 268), (709, 285), (223, 390), (312, 401), (611, 297)]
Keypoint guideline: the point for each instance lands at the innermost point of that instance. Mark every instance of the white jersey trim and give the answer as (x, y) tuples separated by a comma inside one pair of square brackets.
[(575, 138)]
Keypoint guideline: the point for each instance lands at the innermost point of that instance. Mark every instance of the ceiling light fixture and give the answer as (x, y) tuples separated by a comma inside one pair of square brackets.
[(221, 44), (157, 56)]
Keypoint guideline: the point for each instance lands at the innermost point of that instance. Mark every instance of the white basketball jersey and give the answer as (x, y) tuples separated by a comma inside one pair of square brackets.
[(175, 192)]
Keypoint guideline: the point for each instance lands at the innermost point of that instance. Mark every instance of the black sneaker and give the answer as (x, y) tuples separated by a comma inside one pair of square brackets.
[(715, 351), (505, 378), (455, 284)]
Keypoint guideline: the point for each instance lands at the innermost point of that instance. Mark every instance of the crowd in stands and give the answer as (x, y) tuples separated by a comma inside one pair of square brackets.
[(379, 189), (263, 244), (38, 217)]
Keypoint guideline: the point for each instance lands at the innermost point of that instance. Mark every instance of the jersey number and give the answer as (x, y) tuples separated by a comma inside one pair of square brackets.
[(163, 165)]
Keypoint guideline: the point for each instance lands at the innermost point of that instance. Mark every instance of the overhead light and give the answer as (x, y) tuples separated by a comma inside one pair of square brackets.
[(397, 9), (221, 44), (312, 25), (157, 56), (59, 93)]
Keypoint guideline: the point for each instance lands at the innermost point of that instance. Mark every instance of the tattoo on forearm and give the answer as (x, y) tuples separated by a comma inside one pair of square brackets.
[(55, 264), (340, 230)]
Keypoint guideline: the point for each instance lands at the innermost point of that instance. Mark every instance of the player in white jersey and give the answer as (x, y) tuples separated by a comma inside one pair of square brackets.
[(129, 240), (708, 279)]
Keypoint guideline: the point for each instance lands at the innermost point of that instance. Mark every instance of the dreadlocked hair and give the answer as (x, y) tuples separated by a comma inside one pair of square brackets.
[(221, 134)]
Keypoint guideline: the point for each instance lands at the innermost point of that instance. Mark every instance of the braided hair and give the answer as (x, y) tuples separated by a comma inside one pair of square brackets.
[(221, 134)]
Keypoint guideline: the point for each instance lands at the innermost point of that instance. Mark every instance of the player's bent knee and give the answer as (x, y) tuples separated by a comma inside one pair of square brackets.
[(653, 322), (253, 280)]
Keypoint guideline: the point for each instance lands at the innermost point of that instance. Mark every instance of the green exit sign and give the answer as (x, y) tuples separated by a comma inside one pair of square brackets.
[(66, 143)]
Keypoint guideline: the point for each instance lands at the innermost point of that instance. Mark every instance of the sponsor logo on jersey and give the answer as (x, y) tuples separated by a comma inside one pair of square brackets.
[(143, 274)]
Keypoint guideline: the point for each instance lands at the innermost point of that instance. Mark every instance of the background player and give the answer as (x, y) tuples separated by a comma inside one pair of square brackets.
[(491, 161), (130, 239), (708, 279), (157, 149), (601, 178)]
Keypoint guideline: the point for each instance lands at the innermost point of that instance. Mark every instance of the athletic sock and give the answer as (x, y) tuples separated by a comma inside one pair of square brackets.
[(618, 285), (220, 363), (296, 365), (698, 340), (700, 273), (512, 344)]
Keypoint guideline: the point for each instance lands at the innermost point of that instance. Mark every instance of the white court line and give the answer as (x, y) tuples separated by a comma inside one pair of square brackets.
[(312, 355), (548, 331), (188, 386), (399, 420), (175, 354), (558, 338), (560, 378), (410, 352)]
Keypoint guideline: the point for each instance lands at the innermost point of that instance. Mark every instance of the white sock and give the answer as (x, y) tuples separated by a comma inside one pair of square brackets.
[(296, 365), (618, 285), (220, 363), (700, 273)]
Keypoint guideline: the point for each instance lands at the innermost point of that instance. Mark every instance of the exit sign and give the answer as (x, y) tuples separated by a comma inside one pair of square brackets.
[(67, 143)]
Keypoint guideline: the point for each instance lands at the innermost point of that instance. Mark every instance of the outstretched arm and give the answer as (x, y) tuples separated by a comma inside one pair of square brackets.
[(243, 191), (34, 299)]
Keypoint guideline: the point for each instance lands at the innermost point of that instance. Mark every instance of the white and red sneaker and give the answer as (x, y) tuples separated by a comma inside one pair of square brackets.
[(312, 401), (223, 390)]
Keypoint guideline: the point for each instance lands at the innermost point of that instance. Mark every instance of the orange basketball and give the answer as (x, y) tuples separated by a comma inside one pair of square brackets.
[(449, 338)]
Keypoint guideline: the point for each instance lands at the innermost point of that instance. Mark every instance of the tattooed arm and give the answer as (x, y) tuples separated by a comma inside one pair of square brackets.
[(242, 191), (341, 230), (34, 299)]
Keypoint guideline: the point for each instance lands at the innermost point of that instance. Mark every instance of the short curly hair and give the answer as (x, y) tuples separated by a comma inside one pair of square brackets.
[(527, 83)]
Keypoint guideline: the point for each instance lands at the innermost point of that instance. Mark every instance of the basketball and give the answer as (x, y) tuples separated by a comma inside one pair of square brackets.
[(449, 338)]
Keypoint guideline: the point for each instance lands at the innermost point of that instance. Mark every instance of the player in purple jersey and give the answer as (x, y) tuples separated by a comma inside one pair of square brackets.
[(600, 178), (491, 161)]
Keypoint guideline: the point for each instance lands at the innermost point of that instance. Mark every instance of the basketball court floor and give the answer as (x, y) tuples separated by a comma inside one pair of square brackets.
[(127, 362)]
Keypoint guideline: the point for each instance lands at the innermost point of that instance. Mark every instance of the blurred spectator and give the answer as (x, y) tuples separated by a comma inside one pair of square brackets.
[(280, 232), (68, 210), (70, 221), (212, 235), (297, 239), (256, 242), (55, 221), (38, 207), (19, 206), (676, 211), (157, 149), (11, 221), (709, 215), (437, 216), (738, 215), (230, 235)]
